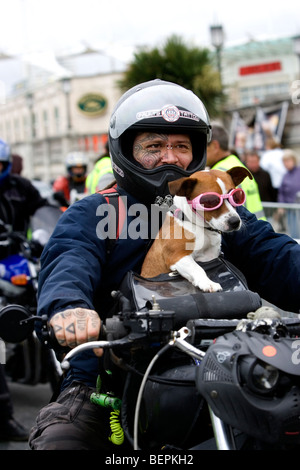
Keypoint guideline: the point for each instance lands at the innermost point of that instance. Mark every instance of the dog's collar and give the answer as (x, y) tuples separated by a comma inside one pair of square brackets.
[(213, 230), (179, 214)]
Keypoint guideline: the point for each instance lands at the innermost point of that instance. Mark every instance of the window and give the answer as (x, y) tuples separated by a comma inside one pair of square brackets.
[(56, 120), (45, 122), (17, 130), (258, 93)]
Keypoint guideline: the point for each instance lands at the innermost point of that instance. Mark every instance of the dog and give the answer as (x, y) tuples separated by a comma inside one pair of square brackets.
[(206, 201)]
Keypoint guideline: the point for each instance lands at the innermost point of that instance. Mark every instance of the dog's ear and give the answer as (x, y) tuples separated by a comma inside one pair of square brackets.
[(238, 174), (182, 187)]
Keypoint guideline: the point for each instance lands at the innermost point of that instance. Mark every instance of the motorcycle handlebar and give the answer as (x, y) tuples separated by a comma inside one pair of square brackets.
[(185, 338), (177, 338), (193, 333), (150, 325)]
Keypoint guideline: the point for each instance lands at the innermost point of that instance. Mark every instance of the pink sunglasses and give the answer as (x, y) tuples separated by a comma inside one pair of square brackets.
[(212, 201)]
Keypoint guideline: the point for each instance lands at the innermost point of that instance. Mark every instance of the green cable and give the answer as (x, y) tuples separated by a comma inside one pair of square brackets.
[(109, 401)]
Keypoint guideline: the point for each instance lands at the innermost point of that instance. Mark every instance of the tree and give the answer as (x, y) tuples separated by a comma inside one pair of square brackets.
[(190, 67)]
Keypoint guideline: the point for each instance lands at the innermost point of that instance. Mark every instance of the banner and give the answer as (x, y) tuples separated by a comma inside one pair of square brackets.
[(268, 122), (241, 135)]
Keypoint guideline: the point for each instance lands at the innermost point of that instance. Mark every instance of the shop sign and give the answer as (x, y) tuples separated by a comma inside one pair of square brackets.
[(260, 68), (92, 104)]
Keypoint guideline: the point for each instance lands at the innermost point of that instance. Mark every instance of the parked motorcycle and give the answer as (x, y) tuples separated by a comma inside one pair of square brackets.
[(26, 360), (194, 378)]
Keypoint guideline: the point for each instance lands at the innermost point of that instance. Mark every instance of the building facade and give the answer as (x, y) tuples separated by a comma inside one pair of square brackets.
[(59, 117), (264, 76), (50, 112)]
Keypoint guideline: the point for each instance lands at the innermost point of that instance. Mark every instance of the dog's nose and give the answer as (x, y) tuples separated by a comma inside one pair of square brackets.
[(234, 223)]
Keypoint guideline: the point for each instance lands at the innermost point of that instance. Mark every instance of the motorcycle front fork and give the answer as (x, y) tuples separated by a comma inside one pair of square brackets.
[(223, 433)]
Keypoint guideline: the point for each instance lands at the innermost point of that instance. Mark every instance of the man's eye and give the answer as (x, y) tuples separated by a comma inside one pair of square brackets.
[(183, 147), (154, 146)]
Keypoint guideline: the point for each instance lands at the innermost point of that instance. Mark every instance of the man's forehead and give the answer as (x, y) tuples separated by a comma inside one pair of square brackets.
[(156, 135)]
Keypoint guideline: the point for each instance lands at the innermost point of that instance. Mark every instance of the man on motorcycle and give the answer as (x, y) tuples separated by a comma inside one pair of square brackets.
[(76, 166), (78, 274), (19, 200)]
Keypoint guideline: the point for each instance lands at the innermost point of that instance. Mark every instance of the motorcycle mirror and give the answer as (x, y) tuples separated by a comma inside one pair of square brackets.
[(15, 324)]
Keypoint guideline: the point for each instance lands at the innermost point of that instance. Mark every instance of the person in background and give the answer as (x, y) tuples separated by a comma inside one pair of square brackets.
[(289, 191), (261, 176), (219, 157), (101, 175), (71, 187), (17, 164), (271, 161), (19, 200)]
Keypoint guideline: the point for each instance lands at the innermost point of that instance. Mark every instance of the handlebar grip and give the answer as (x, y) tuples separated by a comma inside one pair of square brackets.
[(293, 328), (53, 343)]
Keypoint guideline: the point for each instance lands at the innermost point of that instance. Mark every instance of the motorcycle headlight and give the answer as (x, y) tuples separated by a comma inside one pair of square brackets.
[(250, 383), (259, 376)]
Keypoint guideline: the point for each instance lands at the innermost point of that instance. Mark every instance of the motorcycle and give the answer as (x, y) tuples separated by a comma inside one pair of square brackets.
[(27, 361), (201, 370)]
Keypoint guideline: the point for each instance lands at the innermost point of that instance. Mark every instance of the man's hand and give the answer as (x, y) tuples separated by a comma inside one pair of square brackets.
[(76, 326)]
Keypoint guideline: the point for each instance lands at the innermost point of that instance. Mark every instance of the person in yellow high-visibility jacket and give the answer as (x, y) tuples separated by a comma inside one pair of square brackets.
[(219, 157), (100, 176)]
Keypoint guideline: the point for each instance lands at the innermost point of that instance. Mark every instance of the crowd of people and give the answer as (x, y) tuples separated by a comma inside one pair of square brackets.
[(159, 132), (275, 173)]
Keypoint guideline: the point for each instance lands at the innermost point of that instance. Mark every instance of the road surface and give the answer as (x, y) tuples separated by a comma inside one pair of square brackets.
[(27, 401)]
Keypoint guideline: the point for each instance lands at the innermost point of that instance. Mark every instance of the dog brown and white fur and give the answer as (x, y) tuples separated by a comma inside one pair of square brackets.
[(180, 243)]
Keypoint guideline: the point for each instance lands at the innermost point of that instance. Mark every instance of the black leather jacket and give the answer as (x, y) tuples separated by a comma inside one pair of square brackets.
[(19, 200)]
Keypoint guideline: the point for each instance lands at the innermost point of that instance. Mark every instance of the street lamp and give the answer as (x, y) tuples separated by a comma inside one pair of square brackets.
[(217, 40), (296, 44)]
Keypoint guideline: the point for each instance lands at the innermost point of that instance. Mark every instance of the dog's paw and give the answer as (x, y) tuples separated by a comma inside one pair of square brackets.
[(209, 286)]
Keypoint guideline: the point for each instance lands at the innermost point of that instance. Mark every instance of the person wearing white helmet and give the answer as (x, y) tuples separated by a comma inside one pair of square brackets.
[(74, 182), (158, 133)]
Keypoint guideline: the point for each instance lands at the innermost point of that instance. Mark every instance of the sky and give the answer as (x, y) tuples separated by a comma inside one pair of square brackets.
[(120, 26)]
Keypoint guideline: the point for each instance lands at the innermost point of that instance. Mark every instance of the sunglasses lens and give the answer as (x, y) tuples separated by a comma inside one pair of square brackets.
[(209, 201), (239, 196)]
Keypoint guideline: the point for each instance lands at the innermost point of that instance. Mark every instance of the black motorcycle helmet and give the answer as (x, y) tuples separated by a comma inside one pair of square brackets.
[(162, 107)]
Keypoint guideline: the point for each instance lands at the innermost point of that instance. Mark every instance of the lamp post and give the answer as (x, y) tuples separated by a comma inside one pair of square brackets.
[(217, 40), (296, 44)]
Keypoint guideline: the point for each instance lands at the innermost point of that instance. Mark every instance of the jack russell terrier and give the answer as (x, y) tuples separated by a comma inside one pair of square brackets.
[(206, 201)]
